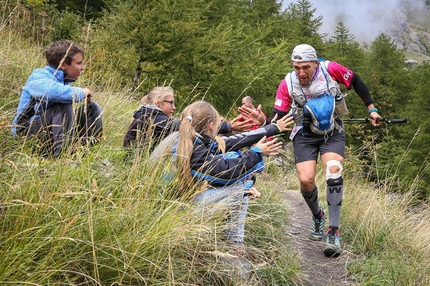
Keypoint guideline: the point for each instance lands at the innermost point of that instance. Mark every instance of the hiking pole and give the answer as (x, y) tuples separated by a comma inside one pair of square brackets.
[(381, 119)]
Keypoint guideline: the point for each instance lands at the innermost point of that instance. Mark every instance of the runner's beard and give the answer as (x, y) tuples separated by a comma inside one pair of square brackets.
[(305, 84)]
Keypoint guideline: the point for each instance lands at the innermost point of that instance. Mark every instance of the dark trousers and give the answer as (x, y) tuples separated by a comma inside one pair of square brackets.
[(60, 126)]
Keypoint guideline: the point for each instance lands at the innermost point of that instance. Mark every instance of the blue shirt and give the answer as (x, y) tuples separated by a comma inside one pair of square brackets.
[(47, 86)]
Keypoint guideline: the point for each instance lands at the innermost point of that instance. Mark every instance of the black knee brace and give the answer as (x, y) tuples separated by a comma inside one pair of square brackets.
[(335, 182)]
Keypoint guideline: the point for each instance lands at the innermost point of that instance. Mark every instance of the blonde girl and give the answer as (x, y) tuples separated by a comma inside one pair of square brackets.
[(153, 120), (199, 158)]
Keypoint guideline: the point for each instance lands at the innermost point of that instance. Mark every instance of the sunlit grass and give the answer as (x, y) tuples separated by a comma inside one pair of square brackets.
[(95, 218)]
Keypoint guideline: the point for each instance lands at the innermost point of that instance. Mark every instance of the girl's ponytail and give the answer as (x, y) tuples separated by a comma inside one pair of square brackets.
[(194, 119)]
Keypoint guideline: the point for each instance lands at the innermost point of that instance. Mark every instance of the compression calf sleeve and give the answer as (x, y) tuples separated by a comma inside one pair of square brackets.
[(334, 201), (311, 199)]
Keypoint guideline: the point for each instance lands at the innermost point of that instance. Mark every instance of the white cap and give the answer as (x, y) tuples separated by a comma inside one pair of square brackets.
[(304, 53)]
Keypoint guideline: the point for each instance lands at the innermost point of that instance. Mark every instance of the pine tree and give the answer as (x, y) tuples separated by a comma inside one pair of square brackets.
[(416, 168), (303, 25)]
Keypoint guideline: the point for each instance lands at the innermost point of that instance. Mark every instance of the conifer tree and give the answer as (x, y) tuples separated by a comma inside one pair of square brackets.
[(221, 47), (389, 83), (303, 24), (417, 164)]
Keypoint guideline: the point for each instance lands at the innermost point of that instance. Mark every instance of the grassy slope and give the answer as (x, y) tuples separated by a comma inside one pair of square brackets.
[(92, 218)]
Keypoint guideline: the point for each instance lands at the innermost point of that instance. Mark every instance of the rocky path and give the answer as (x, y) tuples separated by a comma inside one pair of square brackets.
[(318, 269)]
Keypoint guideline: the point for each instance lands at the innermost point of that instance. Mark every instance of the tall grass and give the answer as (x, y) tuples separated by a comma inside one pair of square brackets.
[(94, 218), (390, 231)]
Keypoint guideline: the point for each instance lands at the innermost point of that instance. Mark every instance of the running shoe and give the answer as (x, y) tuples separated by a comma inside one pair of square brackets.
[(332, 244), (317, 228)]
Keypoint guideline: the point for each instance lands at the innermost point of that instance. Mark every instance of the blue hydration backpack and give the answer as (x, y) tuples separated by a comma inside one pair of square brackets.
[(321, 109)]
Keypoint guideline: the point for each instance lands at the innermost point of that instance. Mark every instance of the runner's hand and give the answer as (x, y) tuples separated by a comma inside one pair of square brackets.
[(256, 115), (374, 118)]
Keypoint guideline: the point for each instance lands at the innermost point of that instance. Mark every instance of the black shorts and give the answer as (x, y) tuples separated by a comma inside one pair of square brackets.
[(307, 147)]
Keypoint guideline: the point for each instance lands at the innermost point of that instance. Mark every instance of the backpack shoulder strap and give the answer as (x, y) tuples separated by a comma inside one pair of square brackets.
[(332, 85), (295, 90)]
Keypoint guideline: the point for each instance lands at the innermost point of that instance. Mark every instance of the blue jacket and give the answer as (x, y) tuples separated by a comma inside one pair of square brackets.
[(46, 86), (209, 164)]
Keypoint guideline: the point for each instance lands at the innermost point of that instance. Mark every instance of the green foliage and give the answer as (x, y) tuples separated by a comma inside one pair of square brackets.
[(418, 110), (303, 25), (96, 218), (42, 23), (343, 48), (88, 9), (67, 25), (216, 48), (37, 4)]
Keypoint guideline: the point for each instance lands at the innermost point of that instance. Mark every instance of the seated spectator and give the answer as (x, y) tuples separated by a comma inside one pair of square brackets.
[(200, 158), (153, 121), (46, 104)]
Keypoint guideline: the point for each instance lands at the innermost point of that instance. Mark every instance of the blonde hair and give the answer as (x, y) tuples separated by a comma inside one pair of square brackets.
[(157, 95), (194, 119)]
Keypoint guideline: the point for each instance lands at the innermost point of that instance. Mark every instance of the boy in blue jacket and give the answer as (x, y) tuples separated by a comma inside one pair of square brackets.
[(47, 99)]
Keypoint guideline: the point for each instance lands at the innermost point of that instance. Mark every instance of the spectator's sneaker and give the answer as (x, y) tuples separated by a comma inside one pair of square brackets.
[(317, 228), (332, 244)]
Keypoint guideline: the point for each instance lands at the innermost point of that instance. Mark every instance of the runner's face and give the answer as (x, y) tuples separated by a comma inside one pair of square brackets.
[(73, 71), (305, 71)]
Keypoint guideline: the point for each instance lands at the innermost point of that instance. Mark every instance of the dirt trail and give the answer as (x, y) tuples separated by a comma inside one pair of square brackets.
[(318, 269)]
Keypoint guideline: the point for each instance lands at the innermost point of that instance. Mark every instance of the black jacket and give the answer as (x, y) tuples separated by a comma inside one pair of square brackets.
[(209, 164), (149, 123)]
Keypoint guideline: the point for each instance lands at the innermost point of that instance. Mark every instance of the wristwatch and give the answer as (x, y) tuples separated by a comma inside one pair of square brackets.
[(373, 110)]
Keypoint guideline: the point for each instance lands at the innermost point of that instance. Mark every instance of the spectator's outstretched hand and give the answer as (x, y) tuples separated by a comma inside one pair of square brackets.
[(240, 126), (284, 123), (269, 148), (256, 115)]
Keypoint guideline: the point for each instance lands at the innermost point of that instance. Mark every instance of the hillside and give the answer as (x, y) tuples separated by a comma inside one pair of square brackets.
[(95, 217), (411, 33)]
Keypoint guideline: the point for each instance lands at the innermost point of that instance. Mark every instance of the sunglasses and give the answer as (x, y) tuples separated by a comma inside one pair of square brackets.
[(170, 101)]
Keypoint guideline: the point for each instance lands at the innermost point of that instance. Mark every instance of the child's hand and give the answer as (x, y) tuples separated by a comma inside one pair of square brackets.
[(253, 193), (284, 122), (88, 94), (269, 148), (240, 126)]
